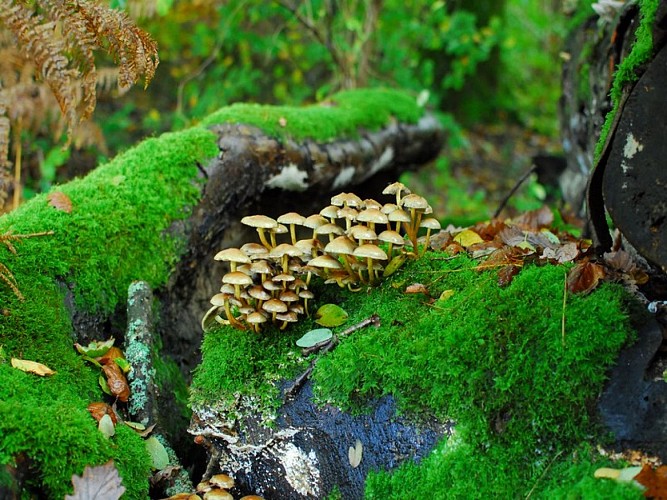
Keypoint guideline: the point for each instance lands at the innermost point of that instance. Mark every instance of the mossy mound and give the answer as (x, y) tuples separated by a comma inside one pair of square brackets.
[(496, 360), (120, 229)]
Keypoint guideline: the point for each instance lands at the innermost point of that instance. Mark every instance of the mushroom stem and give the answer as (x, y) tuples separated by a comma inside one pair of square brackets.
[(262, 238), (231, 318), (427, 242), (371, 274)]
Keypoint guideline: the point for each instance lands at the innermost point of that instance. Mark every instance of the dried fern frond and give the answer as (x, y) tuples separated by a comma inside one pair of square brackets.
[(57, 42)]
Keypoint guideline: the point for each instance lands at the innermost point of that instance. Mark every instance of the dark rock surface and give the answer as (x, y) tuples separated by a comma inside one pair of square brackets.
[(633, 403), (306, 454)]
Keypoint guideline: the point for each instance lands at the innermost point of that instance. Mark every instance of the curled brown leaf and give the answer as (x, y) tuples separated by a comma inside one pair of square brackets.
[(117, 382)]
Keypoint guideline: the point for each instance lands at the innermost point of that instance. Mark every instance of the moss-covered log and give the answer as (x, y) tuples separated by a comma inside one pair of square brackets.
[(156, 213)]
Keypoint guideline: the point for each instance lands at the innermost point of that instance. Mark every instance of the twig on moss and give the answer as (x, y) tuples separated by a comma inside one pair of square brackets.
[(324, 348), (507, 197)]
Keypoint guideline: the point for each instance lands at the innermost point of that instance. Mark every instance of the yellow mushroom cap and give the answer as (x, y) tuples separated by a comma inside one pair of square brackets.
[(372, 215), (237, 278), (370, 251), (392, 237), (222, 481), (415, 201), (291, 218), (325, 262), (260, 221), (274, 305), (341, 245), (232, 255), (430, 223)]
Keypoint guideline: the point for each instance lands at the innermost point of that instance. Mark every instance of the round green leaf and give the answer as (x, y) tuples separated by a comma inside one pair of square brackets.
[(314, 337), (330, 315), (157, 452), (106, 426)]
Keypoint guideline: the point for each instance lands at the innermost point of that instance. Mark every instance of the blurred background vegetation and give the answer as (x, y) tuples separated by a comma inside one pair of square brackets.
[(490, 69)]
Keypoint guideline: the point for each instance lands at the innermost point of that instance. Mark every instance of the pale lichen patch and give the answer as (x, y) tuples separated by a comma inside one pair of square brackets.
[(290, 178), (301, 469), (632, 146), (343, 178)]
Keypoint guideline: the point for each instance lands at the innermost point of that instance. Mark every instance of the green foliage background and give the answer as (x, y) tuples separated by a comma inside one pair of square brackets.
[(476, 62)]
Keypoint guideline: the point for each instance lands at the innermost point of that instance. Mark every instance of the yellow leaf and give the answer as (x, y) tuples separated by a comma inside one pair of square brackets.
[(467, 238), (445, 295), (32, 367)]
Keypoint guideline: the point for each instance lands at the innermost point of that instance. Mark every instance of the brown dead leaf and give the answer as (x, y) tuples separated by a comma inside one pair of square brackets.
[(32, 367), (110, 356), (97, 483), (535, 219), (566, 253), (654, 480), (117, 382), (584, 277), (98, 410), (623, 262), (60, 201), (416, 288), (507, 274)]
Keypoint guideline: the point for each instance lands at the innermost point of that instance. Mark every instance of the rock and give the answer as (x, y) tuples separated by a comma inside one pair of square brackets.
[(633, 403), (307, 451)]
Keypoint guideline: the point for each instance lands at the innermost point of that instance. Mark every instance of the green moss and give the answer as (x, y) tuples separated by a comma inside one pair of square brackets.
[(626, 74), (494, 359), (342, 115), (95, 251)]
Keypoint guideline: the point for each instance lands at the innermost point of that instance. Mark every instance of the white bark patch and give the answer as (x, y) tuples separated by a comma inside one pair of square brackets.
[(626, 168), (301, 470), (381, 163), (632, 146), (343, 178), (290, 178)]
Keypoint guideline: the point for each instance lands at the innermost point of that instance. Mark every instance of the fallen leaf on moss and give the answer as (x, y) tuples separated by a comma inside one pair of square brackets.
[(98, 410), (97, 483), (315, 337), (355, 453), (330, 315), (117, 382), (394, 265), (654, 480), (416, 288), (60, 201), (467, 238), (584, 277), (157, 452), (535, 219), (95, 349), (282, 121), (106, 426), (447, 294), (624, 475), (32, 367), (103, 384)]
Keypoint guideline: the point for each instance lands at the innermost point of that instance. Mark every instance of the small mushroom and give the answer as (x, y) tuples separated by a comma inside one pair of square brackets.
[(282, 253), (237, 279), (287, 317), (396, 188), (371, 253), (274, 306), (292, 219), (344, 247), (417, 206), (346, 200), (431, 224), (332, 230), (372, 216), (261, 223), (306, 295), (330, 212), (234, 256), (362, 234), (399, 216), (350, 216), (392, 238), (222, 481), (314, 221), (371, 203), (218, 494), (255, 251)]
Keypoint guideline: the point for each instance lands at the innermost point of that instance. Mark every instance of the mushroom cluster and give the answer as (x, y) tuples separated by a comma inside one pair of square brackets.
[(350, 242)]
